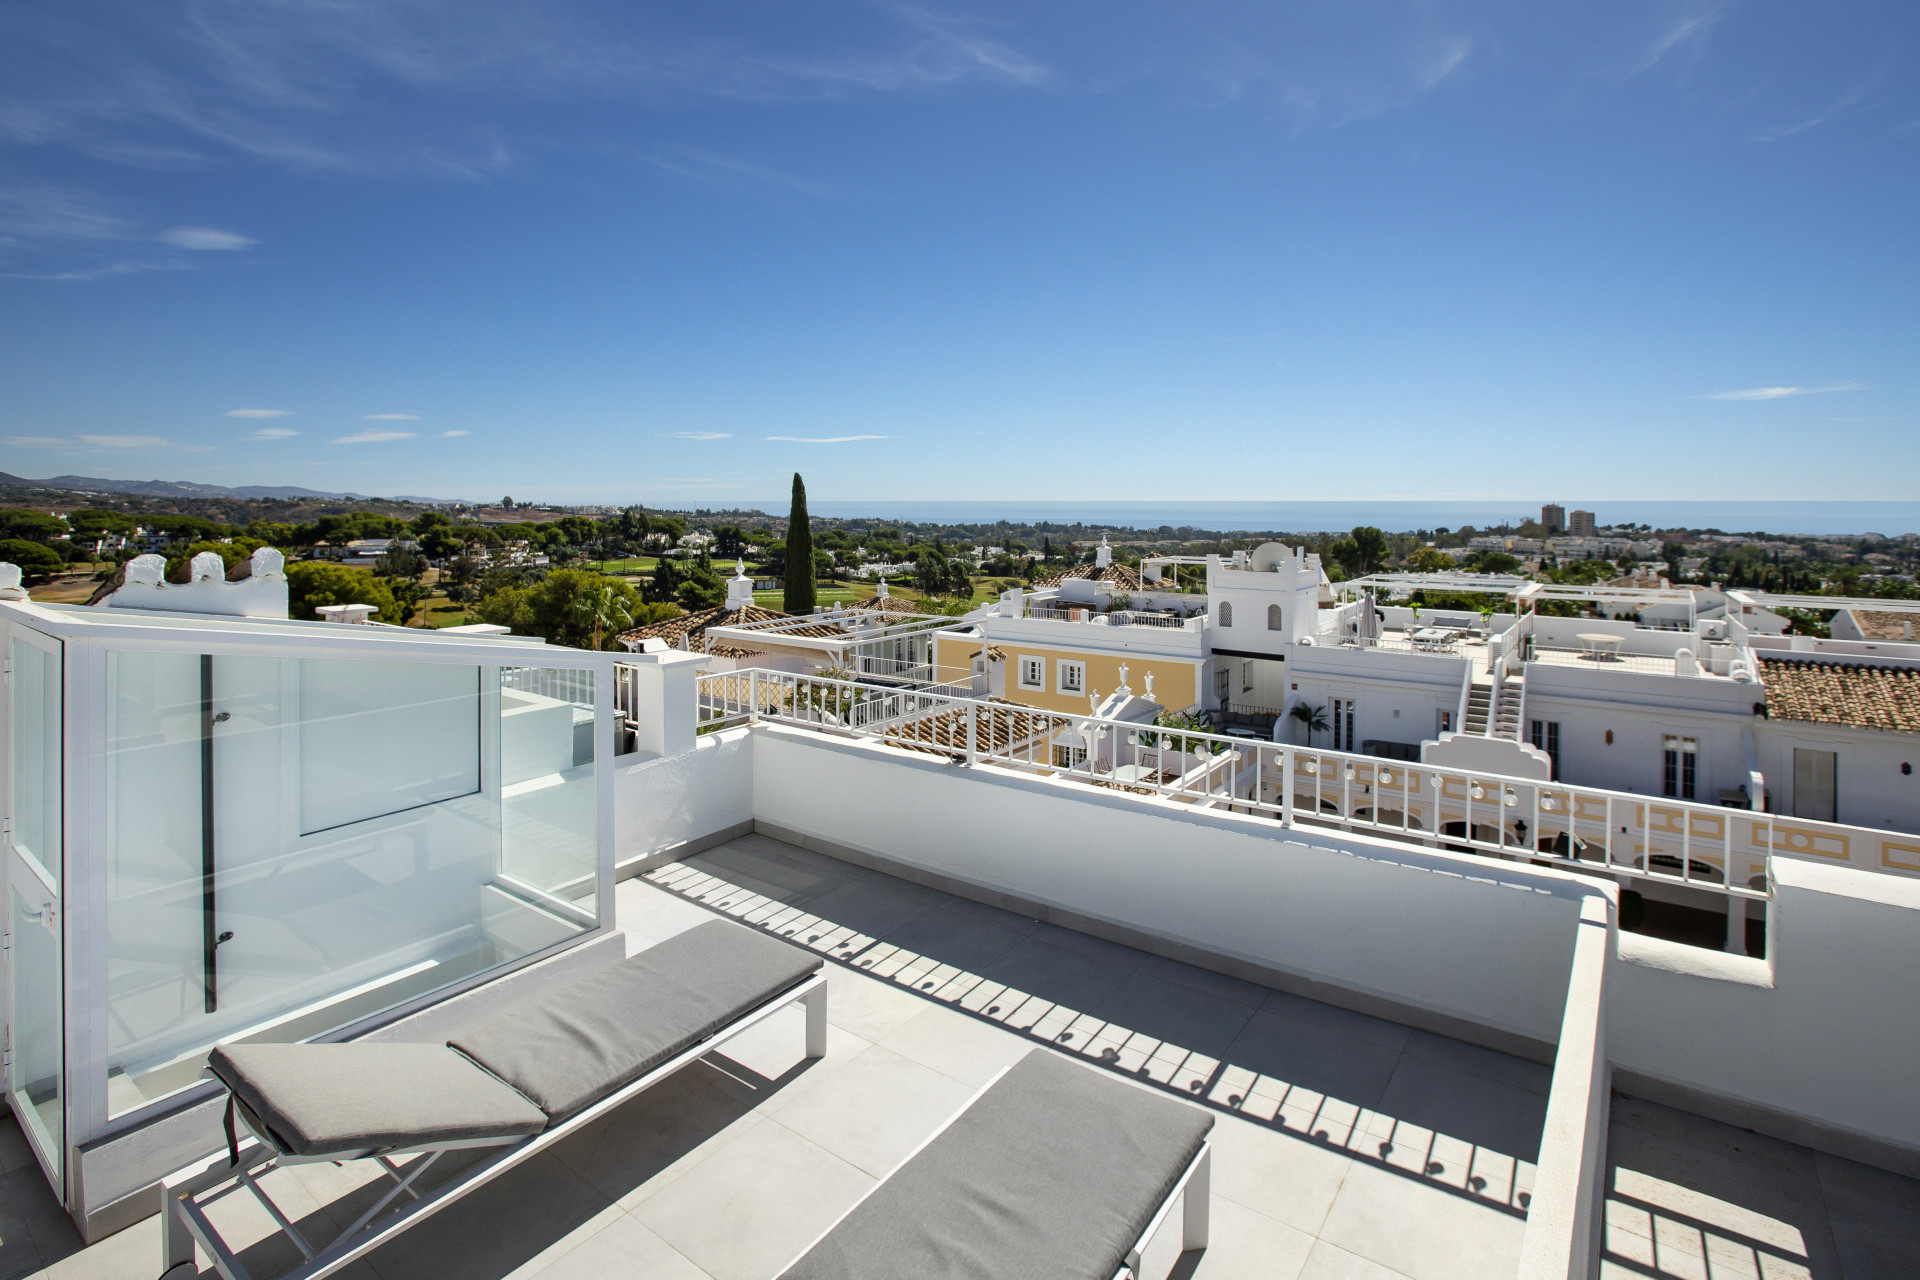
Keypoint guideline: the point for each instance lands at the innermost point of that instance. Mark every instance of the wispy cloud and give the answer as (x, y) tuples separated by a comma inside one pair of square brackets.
[(697, 435), (272, 433), (1684, 34), (105, 443), (313, 84), (825, 439), (123, 442), (390, 417), (257, 413), (56, 233), (1839, 107), (452, 435), (1780, 393), (204, 239), (376, 437)]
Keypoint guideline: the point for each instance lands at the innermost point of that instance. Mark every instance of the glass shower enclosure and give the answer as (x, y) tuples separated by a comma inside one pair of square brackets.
[(229, 830)]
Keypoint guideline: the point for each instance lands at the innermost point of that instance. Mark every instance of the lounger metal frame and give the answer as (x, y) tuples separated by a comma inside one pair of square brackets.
[(1193, 1191), (184, 1222)]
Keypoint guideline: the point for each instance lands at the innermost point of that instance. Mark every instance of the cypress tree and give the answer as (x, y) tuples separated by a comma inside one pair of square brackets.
[(799, 576)]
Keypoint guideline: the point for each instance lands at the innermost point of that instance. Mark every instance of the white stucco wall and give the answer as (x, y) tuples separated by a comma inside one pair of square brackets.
[(1827, 1029), (661, 801), (1490, 943)]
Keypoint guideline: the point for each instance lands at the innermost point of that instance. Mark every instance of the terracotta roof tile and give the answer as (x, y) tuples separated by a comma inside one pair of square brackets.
[(1884, 624), (1864, 697), (1116, 575)]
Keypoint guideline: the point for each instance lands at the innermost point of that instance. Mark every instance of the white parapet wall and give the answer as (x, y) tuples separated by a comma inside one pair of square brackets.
[(1479, 943), (1814, 1043), (1817, 1043)]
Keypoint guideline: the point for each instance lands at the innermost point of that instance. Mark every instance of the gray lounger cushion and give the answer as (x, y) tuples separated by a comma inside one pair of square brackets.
[(1055, 1172), (569, 1048), (324, 1099)]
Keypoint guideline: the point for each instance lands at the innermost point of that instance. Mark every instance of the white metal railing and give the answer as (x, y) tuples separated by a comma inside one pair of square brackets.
[(563, 684), (1629, 837)]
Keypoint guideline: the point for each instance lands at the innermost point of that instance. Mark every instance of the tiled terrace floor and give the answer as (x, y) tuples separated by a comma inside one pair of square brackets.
[(1346, 1147)]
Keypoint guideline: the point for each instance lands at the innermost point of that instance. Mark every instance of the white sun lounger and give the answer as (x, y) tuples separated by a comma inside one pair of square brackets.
[(521, 1081), (1054, 1169)]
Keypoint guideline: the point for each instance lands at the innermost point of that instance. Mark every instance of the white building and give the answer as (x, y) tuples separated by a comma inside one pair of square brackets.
[(1402, 990)]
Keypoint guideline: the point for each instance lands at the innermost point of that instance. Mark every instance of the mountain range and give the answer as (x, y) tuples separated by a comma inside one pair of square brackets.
[(189, 489)]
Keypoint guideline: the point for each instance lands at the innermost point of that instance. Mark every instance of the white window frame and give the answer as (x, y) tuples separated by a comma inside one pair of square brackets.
[(1037, 667), (1068, 757), (1072, 675)]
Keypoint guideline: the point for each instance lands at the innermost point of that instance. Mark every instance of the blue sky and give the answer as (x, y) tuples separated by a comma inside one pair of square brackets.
[(670, 254)]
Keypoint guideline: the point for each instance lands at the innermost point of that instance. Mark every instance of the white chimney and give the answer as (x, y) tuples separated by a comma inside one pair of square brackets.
[(349, 613), (880, 592), (739, 588), (1104, 556)]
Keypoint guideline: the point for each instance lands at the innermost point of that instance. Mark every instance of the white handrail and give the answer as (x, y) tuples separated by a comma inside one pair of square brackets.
[(1627, 837)]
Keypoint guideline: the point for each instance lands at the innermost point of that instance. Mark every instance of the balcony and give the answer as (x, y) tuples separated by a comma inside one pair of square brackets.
[(1410, 1036), (1347, 1144)]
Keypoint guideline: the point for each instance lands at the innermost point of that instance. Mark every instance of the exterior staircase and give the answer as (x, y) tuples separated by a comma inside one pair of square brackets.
[(1479, 705), (1506, 716)]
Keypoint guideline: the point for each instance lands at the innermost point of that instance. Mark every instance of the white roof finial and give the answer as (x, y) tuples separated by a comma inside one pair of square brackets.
[(1124, 686), (880, 592), (739, 588), (1149, 686)]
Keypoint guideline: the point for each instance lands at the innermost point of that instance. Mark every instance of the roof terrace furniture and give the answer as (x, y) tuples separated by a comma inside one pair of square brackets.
[(1054, 1169), (1599, 645), (519, 1080)]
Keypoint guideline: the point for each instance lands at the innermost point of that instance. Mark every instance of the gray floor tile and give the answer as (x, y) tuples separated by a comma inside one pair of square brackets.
[(657, 1135), (1088, 945), (1012, 921), (952, 938), (1424, 1231), (1331, 1262), (1298, 1053), (1057, 976), (747, 1211), (1491, 1063), (875, 905), (1389, 1035), (1207, 980), (763, 866), (1474, 1109), (1678, 1194), (648, 914), (523, 1215), (1289, 1179), (868, 1007), (1875, 1218), (966, 1049), (1175, 1012), (873, 1111), (1244, 1245), (621, 1250)]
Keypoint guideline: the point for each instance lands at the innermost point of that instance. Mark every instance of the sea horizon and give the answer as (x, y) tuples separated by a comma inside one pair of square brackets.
[(1792, 518)]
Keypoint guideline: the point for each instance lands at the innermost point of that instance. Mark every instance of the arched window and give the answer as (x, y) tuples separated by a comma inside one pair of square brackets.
[(1273, 618), (1226, 614)]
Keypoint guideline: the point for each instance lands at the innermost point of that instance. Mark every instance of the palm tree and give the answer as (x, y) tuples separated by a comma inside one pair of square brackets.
[(606, 611), (1315, 718)]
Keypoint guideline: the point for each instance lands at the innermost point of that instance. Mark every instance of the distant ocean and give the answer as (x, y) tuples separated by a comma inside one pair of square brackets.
[(1889, 518)]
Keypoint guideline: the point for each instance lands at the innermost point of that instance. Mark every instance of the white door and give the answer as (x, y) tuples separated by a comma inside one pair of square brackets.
[(1813, 773), (35, 1049), (1343, 724)]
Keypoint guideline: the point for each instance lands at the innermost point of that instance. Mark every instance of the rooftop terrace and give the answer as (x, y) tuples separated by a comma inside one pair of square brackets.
[(1348, 1146)]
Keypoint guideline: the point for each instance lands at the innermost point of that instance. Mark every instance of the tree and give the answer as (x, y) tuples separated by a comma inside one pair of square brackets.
[(37, 562), (607, 610), (1315, 718), (94, 522), (312, 583), (1429, 560), (1371, 550), (798, 597), (36, 526), (401, 562)]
